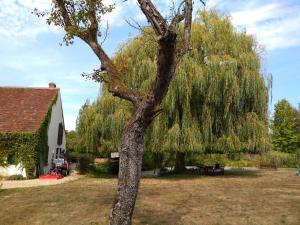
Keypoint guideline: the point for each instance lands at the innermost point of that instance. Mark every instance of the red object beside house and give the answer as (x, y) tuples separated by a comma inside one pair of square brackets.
[(51, 177)]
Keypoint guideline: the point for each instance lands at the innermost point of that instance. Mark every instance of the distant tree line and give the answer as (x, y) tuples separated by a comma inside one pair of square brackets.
[(286, 127)]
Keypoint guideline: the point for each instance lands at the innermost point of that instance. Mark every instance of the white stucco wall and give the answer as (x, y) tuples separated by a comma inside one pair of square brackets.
[(56, 118), (12, 170)]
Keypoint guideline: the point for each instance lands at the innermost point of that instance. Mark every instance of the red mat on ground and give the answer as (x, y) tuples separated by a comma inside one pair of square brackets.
[(51, 177)]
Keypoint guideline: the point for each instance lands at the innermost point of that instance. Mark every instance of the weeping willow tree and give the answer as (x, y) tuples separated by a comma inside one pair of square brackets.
[(217, 102)]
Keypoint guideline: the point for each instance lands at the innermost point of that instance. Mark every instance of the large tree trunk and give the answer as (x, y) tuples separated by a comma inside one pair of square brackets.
[(146, 104), (180, 162), (131, 148)]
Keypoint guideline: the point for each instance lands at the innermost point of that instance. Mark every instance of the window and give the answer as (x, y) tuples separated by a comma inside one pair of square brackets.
[(56, 153), (60, 134), (10, 159)]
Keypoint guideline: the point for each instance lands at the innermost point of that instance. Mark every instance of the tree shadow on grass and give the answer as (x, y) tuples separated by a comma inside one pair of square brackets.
[(233, 172), (188, 174), (242, 172), (153, 217), (101, 175)]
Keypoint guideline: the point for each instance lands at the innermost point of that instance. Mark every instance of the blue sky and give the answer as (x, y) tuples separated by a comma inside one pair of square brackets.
[(30, 54)]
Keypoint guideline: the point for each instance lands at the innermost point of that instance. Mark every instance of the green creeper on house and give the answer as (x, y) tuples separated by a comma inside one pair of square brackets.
[(31, 129)]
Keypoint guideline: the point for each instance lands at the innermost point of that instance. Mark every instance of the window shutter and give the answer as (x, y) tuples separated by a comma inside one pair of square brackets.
[(60, 134)]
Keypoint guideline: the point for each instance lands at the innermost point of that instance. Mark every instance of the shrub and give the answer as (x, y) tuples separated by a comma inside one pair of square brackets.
[(84, 162), (280, 159), (110, 167), (206, 159), (73, 156), (16, 177), (151, 160)]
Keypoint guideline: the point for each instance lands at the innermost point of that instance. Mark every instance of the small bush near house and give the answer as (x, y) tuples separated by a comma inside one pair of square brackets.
[(16, 177), (84, 163), (105, 169), (73, 156)]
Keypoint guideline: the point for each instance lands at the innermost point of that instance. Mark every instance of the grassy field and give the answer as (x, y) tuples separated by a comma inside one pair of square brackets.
[(240, 197)]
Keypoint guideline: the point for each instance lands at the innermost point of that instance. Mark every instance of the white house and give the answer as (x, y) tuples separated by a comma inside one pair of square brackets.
[(24, 111)]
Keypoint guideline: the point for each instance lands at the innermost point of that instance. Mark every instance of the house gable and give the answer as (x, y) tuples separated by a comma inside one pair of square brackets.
[(56, 142)]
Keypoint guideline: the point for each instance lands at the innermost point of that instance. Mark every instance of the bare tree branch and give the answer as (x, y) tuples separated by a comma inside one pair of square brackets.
[(179, 16), (67, 21), (105, 34), (187, 15), (166, 55), (144, 31), (157, 112), (93, 29), (203, 2), (116, 85), (188, 9), (157, 21)]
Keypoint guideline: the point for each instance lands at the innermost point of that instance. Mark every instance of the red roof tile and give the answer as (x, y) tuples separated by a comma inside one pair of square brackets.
[(24, 109)]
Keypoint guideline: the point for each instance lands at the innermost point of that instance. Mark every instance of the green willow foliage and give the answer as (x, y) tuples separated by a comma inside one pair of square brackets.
[(217, 100)]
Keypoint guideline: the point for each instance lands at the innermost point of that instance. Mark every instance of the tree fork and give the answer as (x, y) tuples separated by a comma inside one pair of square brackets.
[(68, 14)]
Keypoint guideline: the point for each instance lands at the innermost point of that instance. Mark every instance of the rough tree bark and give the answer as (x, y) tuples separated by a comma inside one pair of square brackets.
[(146, 105), (180, 162), (131, 144)]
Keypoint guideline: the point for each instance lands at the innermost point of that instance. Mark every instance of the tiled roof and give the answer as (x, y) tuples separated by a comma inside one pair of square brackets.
[(24, 109)]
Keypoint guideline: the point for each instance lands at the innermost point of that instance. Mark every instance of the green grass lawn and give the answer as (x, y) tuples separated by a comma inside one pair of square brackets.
[(241, 197)]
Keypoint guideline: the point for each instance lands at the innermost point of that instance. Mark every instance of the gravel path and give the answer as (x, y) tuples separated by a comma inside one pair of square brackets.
[(8, 184)]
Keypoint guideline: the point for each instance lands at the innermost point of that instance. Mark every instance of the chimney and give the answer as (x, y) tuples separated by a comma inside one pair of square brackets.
[(52, 85)]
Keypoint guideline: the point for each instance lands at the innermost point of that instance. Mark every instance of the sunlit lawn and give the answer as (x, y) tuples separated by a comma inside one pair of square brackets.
[(263, 197)]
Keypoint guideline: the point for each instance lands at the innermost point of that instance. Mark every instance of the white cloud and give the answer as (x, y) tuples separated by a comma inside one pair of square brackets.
[(70, 122), (251, 16), (113, 18), (278, 34), (17, 20), (31, 4), (276, 25)]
